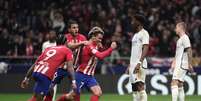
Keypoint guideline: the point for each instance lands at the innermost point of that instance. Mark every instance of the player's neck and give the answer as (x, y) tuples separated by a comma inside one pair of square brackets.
[(74, 35), (181, 34), (139, 28)]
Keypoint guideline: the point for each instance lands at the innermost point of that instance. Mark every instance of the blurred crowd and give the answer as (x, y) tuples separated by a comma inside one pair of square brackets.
[(25, 24)]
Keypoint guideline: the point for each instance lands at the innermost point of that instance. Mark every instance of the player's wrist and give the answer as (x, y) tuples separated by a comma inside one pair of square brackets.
[(73, 81), (139, 62), (26, 78)]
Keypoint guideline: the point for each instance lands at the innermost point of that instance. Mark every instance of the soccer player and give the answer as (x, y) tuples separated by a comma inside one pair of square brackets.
[(86, 69), (75, 41), (181, 63), (45, 66), (138, 63)]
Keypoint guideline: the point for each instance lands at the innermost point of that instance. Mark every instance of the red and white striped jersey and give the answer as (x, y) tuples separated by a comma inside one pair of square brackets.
[(89, 58), (75, 39), (52, 57)]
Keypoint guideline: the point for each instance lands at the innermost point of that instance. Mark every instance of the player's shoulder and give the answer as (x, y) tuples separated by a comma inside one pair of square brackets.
[(144, 31), (185, 37), (46, 42), (81, 36), (68, 35)]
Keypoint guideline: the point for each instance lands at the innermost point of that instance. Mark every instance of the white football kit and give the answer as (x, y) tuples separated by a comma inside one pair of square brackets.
[(138, 40), (181, 58)]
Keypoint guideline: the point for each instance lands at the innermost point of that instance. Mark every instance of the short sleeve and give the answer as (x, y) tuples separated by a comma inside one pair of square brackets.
[(145, 38), (186, 42)]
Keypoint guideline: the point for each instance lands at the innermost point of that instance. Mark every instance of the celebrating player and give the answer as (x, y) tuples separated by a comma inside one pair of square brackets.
[(86, 69), (45, 66), (138, 63), (181, 63), (75, 41)]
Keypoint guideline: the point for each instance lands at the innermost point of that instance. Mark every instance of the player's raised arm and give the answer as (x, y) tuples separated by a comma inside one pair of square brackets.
[(25, 82), (102, 55)]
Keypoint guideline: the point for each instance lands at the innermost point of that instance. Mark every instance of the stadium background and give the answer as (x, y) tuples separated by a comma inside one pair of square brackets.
[(24, 26)]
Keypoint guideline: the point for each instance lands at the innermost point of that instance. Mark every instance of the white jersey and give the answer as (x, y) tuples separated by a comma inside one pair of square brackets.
[(181, 57), (138, 40), (47, 44)]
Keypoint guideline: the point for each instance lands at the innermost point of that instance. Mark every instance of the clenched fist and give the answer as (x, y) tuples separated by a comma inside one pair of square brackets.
[(113, 45)]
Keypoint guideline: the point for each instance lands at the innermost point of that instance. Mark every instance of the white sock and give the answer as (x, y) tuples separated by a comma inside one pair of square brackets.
[(181, 94), (135, 96), (143, 95), (175, 92)]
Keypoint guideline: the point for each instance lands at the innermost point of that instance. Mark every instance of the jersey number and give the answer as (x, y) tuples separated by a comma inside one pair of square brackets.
[(41, 67), (49, 54)]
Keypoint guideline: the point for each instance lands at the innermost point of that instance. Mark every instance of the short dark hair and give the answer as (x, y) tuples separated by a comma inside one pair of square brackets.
[(61, 39), (140, 18), (70, 22)]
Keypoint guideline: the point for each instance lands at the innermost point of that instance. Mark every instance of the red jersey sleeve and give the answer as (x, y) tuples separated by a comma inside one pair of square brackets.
[(69, 55), (101, 55)]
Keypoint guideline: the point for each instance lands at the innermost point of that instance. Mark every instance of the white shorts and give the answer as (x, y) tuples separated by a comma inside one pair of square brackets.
[(179, 74), (138, 77)]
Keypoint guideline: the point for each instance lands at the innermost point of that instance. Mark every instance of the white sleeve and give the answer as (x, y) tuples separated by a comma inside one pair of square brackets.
[(186, 42), (145, 38)]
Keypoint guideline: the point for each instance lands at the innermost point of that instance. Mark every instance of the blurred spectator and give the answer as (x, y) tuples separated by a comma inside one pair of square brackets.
[(32, 19), (29, 47), (57, 20)]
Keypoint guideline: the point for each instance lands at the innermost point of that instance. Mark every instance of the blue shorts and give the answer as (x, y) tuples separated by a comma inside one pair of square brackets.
[(42, 83), (84, 81), (59, 75)]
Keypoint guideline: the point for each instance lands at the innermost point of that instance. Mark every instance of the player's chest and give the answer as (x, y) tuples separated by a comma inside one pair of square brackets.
[(137, 39), (74, 40), (179, 44)]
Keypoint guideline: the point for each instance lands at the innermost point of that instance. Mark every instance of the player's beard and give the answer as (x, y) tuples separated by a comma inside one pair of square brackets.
[(74, 33)]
